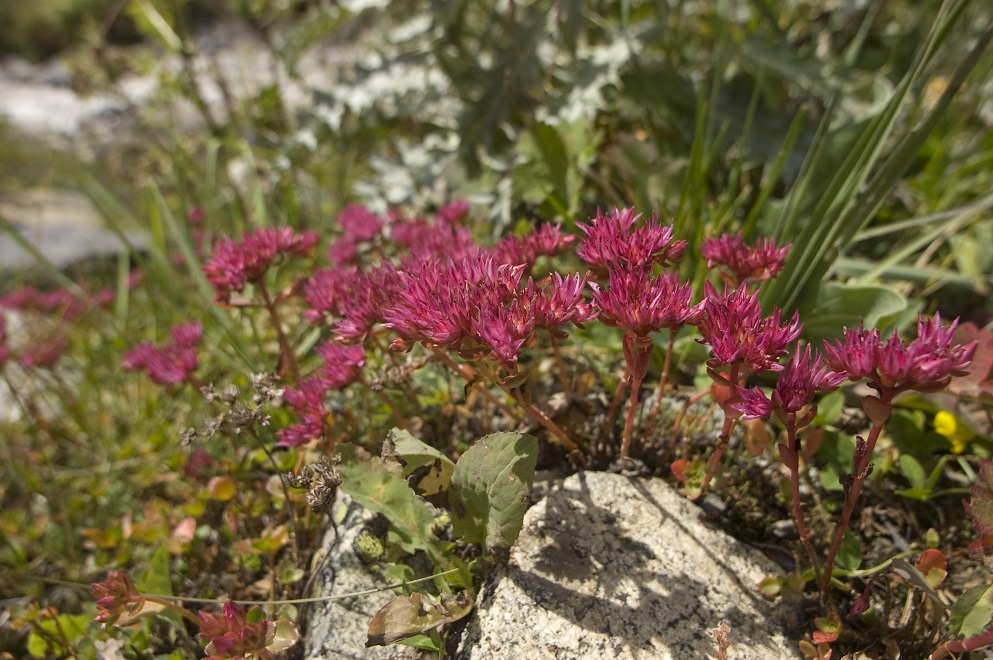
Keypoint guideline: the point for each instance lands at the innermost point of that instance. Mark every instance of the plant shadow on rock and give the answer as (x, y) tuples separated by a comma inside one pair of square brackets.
[(570, 559)]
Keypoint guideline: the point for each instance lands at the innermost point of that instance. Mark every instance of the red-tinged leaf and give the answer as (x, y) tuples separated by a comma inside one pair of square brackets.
[(933, 566), (980, 505), (812, 439), (861, 604), (977, 384), (679, 469), (828, 629), (222, 489)]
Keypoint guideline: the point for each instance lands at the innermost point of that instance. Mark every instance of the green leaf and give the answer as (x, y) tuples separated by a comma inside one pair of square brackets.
[(375, 488), (849, 552), (913, 471), (155, 579), (838, 306), (491, 488), (427, 471), (972, 611)]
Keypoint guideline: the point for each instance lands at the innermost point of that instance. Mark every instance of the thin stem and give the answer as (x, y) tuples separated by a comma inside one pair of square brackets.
[(466, 375), (287, 505), (801, 527), (284, 344), (170, 605), (663, 380), (615, 405), (851, 497), (682, 415), (973, 643), (639, 358)]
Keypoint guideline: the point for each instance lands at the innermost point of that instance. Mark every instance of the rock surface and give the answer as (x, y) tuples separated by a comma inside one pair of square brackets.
[(613, 567), (607, 566), (337, 628)]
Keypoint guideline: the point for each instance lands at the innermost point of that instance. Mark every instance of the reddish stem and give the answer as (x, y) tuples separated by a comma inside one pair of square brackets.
[(284, 344), (801, 526), (851, 497), (662, 380), (967, 645)]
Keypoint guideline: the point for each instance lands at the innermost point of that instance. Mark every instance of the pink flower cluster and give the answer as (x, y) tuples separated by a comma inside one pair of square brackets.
[(613, 240), (478, 306), (62, 302), (116, 595), (745, 263), (738, 334), (342, 366), (798, 382), (233, 264), (172, 362), (230, 635), (925, 364)]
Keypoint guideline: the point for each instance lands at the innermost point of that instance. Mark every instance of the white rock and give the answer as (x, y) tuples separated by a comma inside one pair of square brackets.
[(613, 567)]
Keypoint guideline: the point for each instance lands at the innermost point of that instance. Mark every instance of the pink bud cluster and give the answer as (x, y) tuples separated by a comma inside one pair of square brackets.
[(743, 262), (614, 240), (230, 635), (172, 362), (233, 264), (926, 364), (739, 335)]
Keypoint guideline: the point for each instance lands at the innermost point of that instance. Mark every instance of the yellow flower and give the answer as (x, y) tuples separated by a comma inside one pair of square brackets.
[(957, 433)]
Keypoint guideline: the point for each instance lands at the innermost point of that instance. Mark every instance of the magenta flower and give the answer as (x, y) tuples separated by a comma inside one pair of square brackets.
[(234, 264), (746, 263), (172, 362), (43, 354), (342, 364), (231, 636), (308, 403), (612, 239), (326, 290), (796, 387), (359, 223), (642, 303), (734, 328), (115, 596), (362, 303), (927, 364), (62, 302), (546, 241), (453, 213), (558, 300)]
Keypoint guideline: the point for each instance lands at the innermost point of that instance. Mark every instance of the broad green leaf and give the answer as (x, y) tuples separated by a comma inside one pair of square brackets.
[(972, 611), (372, 486), (491, 487), (838, 306), (849, 552), (913, 471), (155, 579)]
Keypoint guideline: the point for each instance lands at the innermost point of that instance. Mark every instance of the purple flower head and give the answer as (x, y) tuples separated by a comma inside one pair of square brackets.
[(642, 303), (231, 636), (363, 301), (545, 241), (342, 364), (734, 328), (612, 239), (796, 387), (115, 596), (558, 300), (926, 364), (343, 251), (359, 223), (308, 403), (62, 302), (172, 362), (326, 289), (453, 213), (234, 264), (43, 354), (746, 263)]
